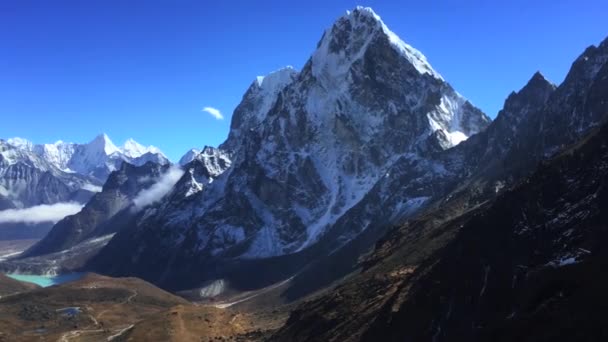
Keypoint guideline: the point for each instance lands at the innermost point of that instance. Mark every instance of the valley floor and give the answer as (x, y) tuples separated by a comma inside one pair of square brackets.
[(99, 308), (11, 248)]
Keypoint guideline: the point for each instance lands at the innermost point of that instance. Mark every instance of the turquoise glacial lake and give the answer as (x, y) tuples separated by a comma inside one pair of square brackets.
[(46, 281)]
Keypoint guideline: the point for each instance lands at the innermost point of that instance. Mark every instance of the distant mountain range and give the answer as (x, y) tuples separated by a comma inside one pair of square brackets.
[(39, 176), (96, 159)]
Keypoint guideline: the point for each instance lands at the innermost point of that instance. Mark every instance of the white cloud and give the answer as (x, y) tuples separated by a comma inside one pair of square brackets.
[(40, 213), (214, 112), (92, 188), (159, 189)]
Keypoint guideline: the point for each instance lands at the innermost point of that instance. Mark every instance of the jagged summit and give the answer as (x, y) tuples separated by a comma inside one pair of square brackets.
[(133, 149), (189, 156), (349, 37), (538, 76), (535, 92), (588, 64), (529, 98), (102, 142), (277, 78), (256, 103)]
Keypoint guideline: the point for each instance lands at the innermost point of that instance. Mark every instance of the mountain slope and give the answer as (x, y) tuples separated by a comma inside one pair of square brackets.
[(501, 269), (188, 156), (534, 123), (531, 261), (10, 286), (94, 308), (92, 221), (305, 147)]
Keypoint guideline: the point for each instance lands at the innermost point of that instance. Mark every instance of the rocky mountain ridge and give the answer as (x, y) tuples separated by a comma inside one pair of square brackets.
[(305, 148)]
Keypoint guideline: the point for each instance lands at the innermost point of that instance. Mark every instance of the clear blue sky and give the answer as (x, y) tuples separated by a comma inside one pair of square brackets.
[(145, 69)]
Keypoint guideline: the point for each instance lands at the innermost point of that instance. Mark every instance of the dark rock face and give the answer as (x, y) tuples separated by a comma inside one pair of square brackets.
[(528, 267), (92, 221)]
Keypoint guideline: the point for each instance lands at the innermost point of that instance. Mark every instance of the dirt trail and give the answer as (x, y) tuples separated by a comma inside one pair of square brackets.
[(75, 333)]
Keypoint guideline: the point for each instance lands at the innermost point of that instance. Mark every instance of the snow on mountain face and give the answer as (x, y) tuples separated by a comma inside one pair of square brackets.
[(32, 174), (133, 149), (100, 156), (365, 24), (93, 157), (201, 171), (189, 156), (308, 146), (534, 124), (256, 103), (21, 143), (119, 193), (58, 153), (27, 179), (350, 44)]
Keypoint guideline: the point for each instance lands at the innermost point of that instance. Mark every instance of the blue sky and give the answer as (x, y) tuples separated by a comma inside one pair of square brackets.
[(146, 69)]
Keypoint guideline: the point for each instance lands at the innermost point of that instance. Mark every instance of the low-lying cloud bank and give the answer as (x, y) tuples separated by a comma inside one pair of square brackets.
[(40, 213), (159, 189)]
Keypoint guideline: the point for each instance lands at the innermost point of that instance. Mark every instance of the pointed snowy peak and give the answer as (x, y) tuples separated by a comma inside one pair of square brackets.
[(103, 143), (133, 149), (349, 37)]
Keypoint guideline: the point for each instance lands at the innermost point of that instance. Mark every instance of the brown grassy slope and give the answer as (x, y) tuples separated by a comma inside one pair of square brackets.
[(10, 286), (106, 307)]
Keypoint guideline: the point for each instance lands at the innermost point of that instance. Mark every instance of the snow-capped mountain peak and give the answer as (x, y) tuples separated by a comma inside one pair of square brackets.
[(306, 147), (347, 40), (102, 143), (96, 158), (133, 149), (276, 80), (189, 156), (20, 142), (260, 96)]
